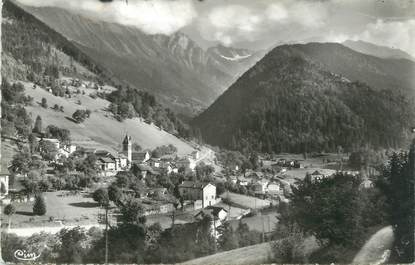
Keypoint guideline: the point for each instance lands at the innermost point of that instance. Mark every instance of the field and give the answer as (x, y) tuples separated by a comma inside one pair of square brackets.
[(67, 209), (244, 201), (101, 130)]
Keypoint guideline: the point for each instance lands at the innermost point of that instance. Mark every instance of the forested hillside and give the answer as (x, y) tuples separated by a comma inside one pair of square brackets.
[(292, 102), (34, 52)]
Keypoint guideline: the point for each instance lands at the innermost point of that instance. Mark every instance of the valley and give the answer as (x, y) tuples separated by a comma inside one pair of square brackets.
[(120, 146)]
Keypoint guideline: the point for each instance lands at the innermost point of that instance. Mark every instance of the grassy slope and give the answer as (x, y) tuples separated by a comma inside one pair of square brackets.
[(100, 130), (256, 254)]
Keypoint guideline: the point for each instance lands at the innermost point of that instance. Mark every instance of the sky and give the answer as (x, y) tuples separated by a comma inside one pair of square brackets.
[(259, 24)]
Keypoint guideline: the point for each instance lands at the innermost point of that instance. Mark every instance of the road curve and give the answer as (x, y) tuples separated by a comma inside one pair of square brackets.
[(376, 249)]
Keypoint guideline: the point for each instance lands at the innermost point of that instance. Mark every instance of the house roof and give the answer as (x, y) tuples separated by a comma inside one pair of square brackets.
[(50, 140), (106, 160), (193, 184), (139, 156), (101, 153), (210, 211)]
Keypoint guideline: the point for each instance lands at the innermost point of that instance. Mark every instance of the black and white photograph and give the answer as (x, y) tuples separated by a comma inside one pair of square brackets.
[(207, 132)]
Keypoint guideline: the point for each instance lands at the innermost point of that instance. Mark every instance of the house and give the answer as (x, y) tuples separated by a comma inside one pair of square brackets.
[(195, 155), (157, 192), (273, 188), (109, 162), (66, 150), (155, 162), (256, 175), (4, 184), (317, 176), (140, 157), (242, 181), (366, 184), (216, 212), (260, 186), (121, 161), (106, 163), (144, 171), (233, 179), (298, 164), (187, 163), (193, 191), (55, 142)]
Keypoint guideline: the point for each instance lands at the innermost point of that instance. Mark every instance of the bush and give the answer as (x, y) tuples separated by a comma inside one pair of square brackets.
[(39, 207), (44, 103)]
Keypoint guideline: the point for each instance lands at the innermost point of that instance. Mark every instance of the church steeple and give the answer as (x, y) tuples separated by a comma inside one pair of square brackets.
[(127, 147)]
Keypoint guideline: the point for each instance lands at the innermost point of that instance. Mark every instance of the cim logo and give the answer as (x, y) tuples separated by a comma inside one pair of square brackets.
[(24, 255)]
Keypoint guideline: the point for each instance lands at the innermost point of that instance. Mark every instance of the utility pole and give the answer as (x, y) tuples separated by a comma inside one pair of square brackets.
[(1, 200), (412, 157), (263, 232), (106, 234)]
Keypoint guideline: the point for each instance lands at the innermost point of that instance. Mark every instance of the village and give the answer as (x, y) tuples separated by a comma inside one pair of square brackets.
[(172, 189)]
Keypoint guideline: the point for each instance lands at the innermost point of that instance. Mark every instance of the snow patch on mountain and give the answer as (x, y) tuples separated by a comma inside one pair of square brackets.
[(237, 57)]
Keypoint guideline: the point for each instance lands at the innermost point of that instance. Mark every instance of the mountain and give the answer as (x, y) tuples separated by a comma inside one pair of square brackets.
[(376, 50), (308, 98), (182, 75), (33, 54)]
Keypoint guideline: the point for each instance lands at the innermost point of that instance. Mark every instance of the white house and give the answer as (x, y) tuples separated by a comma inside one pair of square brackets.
[(273, 188), (193, 191), (4, 182)]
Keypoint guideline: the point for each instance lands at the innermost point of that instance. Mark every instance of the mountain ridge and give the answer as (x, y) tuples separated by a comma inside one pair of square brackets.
[(291, 101), (180, 73)]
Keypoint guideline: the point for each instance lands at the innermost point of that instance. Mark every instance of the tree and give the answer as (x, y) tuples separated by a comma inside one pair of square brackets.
[(331, 209), (33, 143), (38, 125), (61, 109), (48, 150), (44, 103), (227, 239), (133, 212), (220, 188), (39, 207), (73, 242), (9, 210), (21, 163), (396, 182), (289, 249), (80, 115), (101, 197), (115, 194), (137, 147)]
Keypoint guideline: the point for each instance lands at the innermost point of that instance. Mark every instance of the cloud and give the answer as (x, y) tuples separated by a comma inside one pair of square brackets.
[(249, 21), (151, 16)]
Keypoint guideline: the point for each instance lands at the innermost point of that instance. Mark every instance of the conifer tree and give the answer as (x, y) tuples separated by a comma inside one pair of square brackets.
[(39, 207)]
